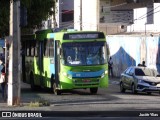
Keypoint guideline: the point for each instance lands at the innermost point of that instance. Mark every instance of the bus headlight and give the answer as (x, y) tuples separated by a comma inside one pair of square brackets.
[(67, 75), (106, 72), (64, 73), (102, 76)]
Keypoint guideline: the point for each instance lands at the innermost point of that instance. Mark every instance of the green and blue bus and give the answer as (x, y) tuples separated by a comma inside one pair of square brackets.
[(65, 60)]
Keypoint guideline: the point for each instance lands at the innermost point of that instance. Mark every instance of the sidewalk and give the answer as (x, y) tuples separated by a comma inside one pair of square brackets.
[(27, 98), (114, 80)]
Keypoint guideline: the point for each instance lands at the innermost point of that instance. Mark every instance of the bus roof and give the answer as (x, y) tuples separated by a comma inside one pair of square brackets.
[(76, 35), (65, 34)]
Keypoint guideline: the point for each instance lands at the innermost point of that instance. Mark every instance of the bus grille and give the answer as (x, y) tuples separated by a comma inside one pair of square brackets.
[(93, 84), (88, 83)]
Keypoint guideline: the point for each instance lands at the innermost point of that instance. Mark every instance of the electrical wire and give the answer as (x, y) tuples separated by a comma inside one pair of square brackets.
[(146, 14), (139, 18), (116, 5)]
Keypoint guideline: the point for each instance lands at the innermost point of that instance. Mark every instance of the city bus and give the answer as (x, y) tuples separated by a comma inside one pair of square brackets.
[(65, 60)]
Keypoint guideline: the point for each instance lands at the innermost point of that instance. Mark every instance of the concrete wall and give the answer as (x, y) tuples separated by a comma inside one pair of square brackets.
[(89, 14), (143, 18), (60, 6), (146, 19), (131, 50)]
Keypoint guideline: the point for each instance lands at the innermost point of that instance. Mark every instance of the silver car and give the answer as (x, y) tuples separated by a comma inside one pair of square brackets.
[(140, 79)]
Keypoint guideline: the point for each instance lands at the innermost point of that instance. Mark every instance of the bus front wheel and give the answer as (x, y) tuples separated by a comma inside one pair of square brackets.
[(32, 82), (93, 90)]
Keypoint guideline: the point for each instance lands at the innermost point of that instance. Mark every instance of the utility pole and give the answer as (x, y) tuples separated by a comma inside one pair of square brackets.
[(14, 55), (80, 14)]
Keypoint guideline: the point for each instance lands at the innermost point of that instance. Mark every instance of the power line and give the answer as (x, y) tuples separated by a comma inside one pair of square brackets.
[(146, 14), (141, 17), (116, 5), (149, 15)]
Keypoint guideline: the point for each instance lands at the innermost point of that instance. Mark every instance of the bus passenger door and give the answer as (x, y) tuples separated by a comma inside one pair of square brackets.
[(57, 62), (40, 62), (23, 61)]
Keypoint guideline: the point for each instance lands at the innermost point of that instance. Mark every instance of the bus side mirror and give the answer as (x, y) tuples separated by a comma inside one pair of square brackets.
[(60, 51)]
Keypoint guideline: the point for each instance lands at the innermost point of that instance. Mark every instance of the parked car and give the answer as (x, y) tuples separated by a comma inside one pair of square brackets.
[(140, 79)]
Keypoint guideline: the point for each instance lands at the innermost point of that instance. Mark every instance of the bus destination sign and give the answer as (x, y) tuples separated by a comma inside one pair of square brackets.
[(76, 36)]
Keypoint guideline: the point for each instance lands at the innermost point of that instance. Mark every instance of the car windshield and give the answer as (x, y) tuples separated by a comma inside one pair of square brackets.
[(86, 53), (145, 72)]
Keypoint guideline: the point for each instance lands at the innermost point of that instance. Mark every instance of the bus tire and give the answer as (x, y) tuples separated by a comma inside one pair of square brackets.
[(33, 87), (52, 81), (94, 90)]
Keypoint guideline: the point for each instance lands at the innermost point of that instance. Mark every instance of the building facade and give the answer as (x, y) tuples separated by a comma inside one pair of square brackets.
[(117, 16), (64, 15)]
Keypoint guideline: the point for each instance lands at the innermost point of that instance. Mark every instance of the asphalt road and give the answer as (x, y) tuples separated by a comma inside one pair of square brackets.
[(107, 102)]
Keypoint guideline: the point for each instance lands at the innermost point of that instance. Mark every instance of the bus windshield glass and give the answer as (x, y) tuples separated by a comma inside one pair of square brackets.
[(84, 53)]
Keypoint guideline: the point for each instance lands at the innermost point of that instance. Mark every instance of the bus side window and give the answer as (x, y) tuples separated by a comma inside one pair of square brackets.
[(36, 48), (28, 48), (33, 48), (45, 48), (51, 48)]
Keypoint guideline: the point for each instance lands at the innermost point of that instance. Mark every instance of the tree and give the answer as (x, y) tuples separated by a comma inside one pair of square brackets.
[(4, 17), (37, 11)]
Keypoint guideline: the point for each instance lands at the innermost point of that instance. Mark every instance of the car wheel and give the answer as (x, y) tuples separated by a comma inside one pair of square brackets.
[(122, 89), (133, 89)]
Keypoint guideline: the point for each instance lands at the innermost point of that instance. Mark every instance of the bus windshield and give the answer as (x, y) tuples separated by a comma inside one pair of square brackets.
[(84, 53)]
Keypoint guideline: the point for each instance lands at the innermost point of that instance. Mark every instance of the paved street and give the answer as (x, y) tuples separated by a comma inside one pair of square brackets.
[(107, 100)]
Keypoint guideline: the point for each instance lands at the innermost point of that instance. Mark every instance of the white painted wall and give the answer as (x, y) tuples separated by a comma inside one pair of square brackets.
[(140, 20), (157, 17), (77, 14), (90, 15)]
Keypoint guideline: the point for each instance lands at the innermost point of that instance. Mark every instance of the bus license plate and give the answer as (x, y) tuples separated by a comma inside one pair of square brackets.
[(86, 80)]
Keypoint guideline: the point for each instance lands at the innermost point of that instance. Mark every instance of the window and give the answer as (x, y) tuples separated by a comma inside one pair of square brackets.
[(67, 15), (36, 48), (139, 72), (46, 48), (131, 72), (51, 48), (28, 48), (128, 70), (33, 45), (88, 53)]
